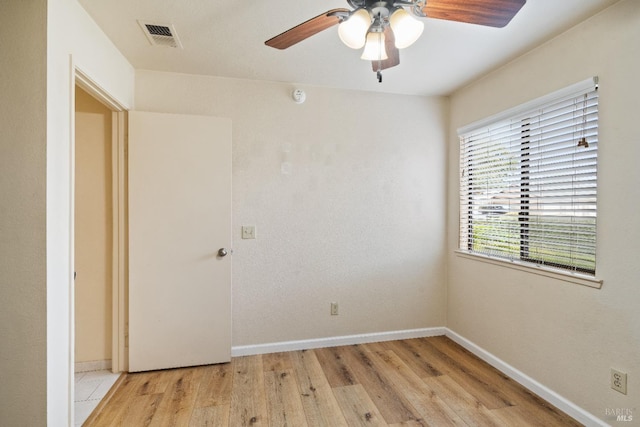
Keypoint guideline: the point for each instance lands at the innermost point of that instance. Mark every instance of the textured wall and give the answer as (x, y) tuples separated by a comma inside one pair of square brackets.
[(347, 192), (22, 213), (564, 335), (93, 229)]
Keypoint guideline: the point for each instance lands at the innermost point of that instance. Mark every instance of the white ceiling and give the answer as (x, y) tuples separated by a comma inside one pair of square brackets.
[(226, 39)]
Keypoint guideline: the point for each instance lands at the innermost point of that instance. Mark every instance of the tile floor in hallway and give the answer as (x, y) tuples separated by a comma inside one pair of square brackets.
[(90, 388)]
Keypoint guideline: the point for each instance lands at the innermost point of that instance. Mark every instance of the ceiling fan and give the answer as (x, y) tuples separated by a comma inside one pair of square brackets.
[(383, 27)]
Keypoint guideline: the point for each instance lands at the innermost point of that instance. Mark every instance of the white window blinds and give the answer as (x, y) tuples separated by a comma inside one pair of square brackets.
[(528, 181)]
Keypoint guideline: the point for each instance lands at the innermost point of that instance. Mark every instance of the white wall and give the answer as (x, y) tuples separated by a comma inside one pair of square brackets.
[(347, 192), (71, 36), (22, 213), (565, 336)]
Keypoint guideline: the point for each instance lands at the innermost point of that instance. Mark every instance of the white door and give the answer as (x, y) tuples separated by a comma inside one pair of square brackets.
[(179, 221)]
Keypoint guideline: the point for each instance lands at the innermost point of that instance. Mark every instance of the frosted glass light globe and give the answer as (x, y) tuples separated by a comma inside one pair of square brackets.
[(353, 31), (406, 28), (375, 48)]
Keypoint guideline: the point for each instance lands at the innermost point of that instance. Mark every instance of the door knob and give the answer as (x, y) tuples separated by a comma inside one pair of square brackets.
[(222, 252)]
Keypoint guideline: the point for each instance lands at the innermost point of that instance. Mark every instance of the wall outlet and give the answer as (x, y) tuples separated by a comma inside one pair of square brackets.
[(248, 231), (334, 308), (619, 381)]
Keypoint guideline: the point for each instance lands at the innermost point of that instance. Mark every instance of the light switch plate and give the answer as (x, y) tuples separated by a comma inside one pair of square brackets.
[(248, 231)]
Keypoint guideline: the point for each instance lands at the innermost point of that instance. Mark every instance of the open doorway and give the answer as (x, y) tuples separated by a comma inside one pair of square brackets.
[(98, 316), (93, 254)]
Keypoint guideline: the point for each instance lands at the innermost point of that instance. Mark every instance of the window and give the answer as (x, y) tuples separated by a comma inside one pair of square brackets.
[(528, 182)]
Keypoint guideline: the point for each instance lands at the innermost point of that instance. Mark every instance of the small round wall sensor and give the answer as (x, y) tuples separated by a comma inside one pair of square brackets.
[(298, 96)]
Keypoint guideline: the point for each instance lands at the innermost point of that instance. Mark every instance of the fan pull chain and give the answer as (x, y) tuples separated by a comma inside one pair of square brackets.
[(379, 72), (380, 47)]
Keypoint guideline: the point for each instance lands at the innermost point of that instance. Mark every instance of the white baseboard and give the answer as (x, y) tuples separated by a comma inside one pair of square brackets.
[(248, 350), (544, 392), (94, 365)]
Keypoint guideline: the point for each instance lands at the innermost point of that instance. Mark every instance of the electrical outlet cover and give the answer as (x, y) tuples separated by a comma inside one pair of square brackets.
[(334, 308), (619, 381)]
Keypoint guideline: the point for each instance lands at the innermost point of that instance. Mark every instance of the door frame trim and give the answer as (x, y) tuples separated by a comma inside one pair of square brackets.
[(119, 356)]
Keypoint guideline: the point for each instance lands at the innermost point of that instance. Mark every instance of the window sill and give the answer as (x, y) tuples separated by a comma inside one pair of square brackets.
[(577, 278)]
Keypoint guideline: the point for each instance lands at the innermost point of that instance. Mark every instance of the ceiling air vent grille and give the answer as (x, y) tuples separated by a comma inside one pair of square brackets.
[(160, 34)]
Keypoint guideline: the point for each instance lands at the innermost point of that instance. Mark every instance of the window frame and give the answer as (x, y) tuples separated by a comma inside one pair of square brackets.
[(524, 260)]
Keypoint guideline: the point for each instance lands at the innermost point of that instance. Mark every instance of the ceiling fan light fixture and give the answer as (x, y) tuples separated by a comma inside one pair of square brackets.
[(375, 49), (353, 31), (406, 28)]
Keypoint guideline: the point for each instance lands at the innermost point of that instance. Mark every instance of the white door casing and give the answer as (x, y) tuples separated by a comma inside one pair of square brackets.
[(179, 218)]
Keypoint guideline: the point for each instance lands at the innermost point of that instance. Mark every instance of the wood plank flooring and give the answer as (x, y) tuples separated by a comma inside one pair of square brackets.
[(416, 382)]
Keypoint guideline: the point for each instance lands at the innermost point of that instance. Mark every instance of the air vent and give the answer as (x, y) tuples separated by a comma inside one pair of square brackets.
[(160, 34)]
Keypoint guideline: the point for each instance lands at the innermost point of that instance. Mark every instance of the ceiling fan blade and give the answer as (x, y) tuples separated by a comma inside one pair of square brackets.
[(306, 29), (492, 13), (393, 53)]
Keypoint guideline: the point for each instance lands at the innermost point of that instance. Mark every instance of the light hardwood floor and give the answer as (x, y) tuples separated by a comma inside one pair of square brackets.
[(416, 382)]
